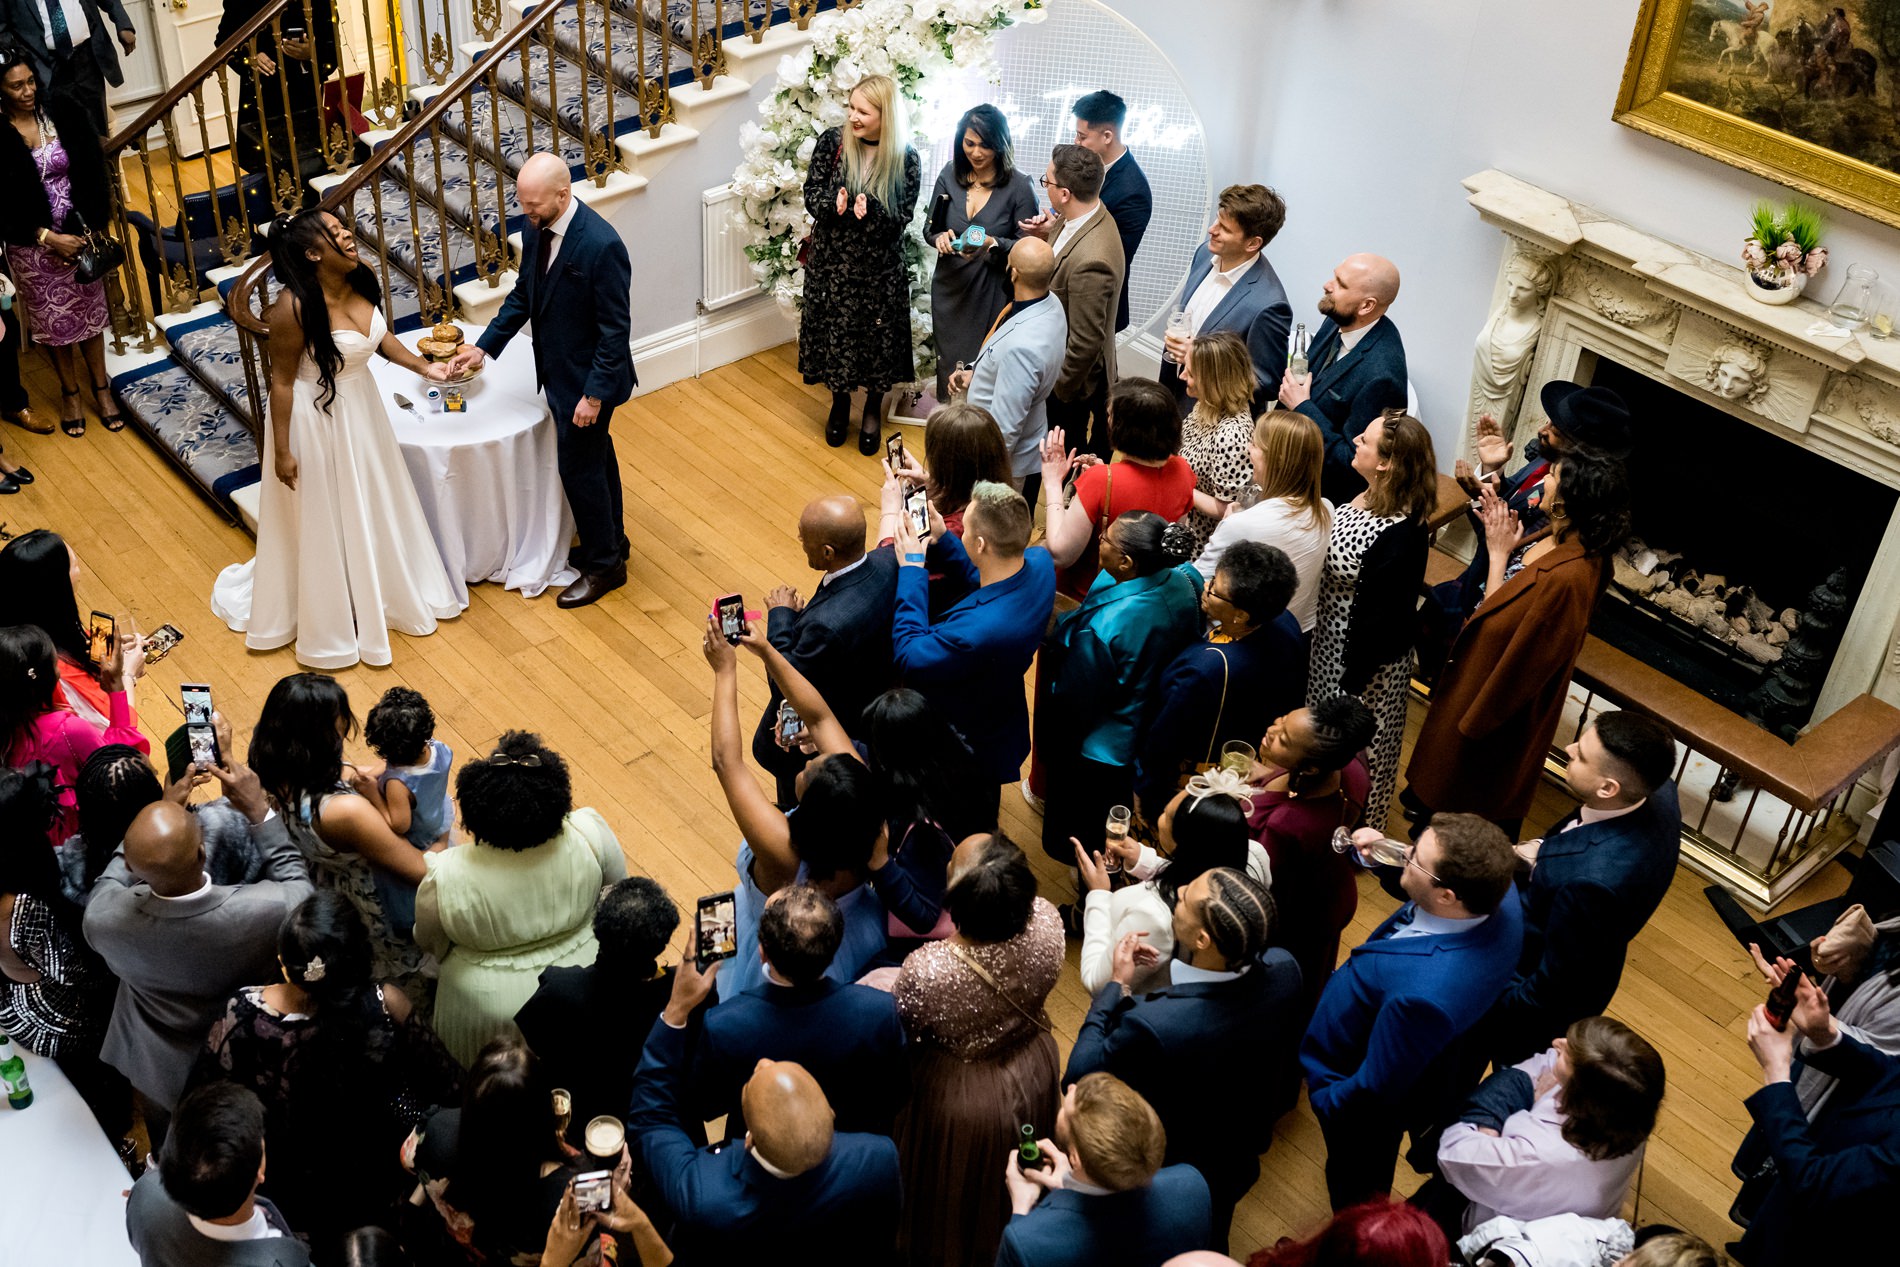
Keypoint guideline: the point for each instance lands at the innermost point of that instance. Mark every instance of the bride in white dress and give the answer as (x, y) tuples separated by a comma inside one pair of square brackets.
[(344, 554)]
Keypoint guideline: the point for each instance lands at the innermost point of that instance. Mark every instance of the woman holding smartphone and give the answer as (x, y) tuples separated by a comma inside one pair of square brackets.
[(33, 726)]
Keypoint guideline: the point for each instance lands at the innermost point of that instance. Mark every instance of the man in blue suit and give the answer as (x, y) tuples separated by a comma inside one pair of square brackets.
[(793, 1181), (1019, 363), (1601, 872), (1230, 286), (1380, 1051), (970, 664), (1355, 366), (1230, 1015), (1104, 1199), (575, 282), (1837, 1177), (846, 1036)]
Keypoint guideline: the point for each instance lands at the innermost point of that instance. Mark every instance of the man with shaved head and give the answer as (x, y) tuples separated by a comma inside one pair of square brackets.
[(793, 1182), (840, 638), (1019, 363), (575, 283), (179, 944), (1355, 365)]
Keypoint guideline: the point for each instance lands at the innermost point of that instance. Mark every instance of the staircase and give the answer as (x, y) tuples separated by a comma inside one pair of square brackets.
[(607, 84)]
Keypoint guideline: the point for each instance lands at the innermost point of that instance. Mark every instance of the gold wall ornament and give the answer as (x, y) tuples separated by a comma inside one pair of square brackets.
[(1768, 104)]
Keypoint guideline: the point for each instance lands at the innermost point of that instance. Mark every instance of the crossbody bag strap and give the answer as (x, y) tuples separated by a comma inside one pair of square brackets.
[(970, 962), (1221, 712), (1108, 493)]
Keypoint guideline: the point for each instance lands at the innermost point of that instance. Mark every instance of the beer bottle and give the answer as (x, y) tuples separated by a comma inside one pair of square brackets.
[(1781, 1000), (13, 1075), (1029, 1152), (1296, 354)]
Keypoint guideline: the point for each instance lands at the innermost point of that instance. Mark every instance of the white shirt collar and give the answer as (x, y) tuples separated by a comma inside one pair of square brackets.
[(1232, 275), (1076, 222), (1181, 972), (1424, 923), (1590, 814), (560, 226), (255, 1228), (856, 563), (768, 1167), (1349, 339), (201, 890)]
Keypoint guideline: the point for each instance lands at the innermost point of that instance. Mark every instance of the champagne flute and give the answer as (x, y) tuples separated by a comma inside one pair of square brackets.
[(1383, 852), (1118, 816)]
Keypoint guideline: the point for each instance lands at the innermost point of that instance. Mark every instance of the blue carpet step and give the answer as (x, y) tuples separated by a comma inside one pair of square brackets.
[(682, 17), (629, 63), (490, 195), (474, 124), (191, 427), (390, 236), (510, 78), (210, 348)]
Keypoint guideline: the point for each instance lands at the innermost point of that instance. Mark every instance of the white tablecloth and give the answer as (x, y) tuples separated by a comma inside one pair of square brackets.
[(487, 478), (60, 1179)]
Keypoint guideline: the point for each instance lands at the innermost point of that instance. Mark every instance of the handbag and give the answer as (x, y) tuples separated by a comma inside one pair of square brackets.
[(100, 255)]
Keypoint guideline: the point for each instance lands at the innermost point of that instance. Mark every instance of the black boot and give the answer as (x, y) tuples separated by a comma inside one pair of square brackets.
[(839, 420), (868, 423)]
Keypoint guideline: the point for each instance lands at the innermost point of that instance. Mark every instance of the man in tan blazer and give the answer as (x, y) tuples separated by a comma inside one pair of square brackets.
[(1088, 281)]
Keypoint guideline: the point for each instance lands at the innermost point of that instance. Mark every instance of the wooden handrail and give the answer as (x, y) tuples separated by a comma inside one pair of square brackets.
[(238, 304), (192, 78)]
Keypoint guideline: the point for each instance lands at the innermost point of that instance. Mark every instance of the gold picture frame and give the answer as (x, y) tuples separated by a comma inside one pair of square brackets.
[(1668, 70)]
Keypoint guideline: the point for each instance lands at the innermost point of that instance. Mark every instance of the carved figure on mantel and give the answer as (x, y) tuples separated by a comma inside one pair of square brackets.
[(1738, 371), (1503, 357)]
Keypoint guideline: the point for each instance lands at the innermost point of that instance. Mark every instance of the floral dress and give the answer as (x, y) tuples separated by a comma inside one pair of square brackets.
[(396, 956), (1217, 450), (62, 309), (855, 329)]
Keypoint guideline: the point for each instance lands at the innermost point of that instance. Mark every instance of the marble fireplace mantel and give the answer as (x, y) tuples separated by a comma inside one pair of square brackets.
[(1574, 284)]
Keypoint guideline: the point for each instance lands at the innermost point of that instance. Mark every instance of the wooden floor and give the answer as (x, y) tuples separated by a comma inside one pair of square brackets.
[(715, 471)]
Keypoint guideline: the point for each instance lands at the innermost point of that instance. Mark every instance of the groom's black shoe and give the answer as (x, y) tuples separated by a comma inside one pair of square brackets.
[(593, 587)]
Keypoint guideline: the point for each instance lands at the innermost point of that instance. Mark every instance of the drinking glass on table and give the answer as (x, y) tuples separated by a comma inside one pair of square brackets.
[(1178, 331), (1118, 817)]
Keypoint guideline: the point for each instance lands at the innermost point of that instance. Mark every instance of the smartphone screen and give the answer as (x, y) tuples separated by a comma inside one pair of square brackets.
[(99, 642), (894, 450), (160, 642), (731, 611), (790, 725), (198, 729), (594, 1191), (715, 929), (920, 512)]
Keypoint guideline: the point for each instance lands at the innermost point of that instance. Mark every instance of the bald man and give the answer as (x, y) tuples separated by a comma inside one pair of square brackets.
[(575, 283), (793, 1181), (179, 944), (840, 638), (1020, 360), (1355, 365)]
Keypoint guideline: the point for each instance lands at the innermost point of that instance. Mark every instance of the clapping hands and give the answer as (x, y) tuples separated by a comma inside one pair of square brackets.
[(1502, 532)]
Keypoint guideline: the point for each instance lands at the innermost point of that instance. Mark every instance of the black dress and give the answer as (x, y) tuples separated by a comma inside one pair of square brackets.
[(855, 331), (967, 291)]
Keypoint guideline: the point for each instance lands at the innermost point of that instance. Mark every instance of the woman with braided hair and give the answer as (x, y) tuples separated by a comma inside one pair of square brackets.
[(1228, 1013)]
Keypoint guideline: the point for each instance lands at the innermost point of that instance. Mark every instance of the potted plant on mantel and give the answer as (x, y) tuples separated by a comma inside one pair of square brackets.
[(1783, 252)]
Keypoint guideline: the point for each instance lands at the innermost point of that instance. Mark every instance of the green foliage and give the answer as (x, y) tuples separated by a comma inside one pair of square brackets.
[(1766, 225), (1771, 225)]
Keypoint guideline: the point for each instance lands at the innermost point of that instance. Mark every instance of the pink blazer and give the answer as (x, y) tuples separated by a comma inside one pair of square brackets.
[(64, 740)]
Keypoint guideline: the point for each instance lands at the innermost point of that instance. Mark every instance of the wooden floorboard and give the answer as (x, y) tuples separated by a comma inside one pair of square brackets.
[(715, 471)]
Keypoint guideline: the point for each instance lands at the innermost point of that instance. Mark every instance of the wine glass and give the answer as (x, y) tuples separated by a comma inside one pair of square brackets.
[(1178, 328), (1118, 817), (1237, 755), (1383, 852)]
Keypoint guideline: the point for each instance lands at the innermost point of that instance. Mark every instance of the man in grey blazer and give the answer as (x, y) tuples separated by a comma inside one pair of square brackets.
[(1088, 280), (179, 944), (1019, 362), (69, 47), (1230, 286)]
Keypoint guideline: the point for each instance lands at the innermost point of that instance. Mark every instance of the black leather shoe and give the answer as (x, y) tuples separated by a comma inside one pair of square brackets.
[(838, 421), (20, 476), (8, 485), (868, 437), (593, 587)]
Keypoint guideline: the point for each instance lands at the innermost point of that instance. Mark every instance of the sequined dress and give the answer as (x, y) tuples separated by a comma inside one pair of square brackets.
[(982, 1064)]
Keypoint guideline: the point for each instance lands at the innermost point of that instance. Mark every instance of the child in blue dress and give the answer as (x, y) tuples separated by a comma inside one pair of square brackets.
[(412, 787)]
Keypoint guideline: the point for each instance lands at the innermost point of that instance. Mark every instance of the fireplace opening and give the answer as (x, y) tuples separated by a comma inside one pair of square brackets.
[(1746, 557)]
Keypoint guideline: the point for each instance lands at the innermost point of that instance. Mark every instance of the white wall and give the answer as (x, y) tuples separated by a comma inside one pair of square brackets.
[(1365, 115)]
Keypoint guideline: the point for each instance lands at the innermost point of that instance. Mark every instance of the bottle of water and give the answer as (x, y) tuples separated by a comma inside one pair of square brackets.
[(13, 1075), (1296, 352)]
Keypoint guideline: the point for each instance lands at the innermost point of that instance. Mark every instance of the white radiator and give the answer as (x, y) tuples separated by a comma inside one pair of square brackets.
[(725, 274)]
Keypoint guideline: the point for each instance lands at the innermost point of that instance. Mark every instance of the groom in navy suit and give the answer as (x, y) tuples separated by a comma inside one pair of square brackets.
[(575, 283), (1355, 366), (1230, 286)]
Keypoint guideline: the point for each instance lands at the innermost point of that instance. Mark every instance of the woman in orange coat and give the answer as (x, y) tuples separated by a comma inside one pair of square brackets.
[(1501, 695)]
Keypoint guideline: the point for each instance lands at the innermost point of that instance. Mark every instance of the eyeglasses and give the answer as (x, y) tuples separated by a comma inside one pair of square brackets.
[(532, 760), (1046, 183), (1411, 860)]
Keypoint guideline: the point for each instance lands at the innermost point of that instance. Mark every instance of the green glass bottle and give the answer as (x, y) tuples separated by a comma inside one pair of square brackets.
[(13, 1075), (1029, 1153)]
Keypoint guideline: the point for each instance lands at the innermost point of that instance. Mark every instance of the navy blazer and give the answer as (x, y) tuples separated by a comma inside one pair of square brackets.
[(1255, 308), (970, 664), (1396, 1005), (1213, 692), (1591, 892), (846, 1036), (726, 1208), (1837, 1178), (1138, 1228), (582, 314), (841, 641), (1349, 393), (1239, 1033), (1130, 205)]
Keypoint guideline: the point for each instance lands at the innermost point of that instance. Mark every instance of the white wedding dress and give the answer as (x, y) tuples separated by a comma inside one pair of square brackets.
[(346, 556)]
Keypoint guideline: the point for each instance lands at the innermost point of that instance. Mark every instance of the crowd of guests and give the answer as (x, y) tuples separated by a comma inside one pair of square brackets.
[(400, 1011)]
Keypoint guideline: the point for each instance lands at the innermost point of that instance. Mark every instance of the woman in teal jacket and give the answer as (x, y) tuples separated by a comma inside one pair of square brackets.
[(1107, 656)]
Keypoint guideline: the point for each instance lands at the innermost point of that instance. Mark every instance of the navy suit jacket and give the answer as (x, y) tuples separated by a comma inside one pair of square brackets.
[(1239, 1033), (582, 313), (1214, 692), (1591, 892), (1138, 1228), (1256, 309), (970, 664), (726, 1208), (1837, 1178), (1394, 1008), (847, 1037), (841, 641), (1130, 205), (1350, 393)]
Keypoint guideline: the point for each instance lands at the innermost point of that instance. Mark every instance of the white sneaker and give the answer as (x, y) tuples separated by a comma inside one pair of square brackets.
[(1030, 798)]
